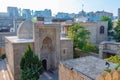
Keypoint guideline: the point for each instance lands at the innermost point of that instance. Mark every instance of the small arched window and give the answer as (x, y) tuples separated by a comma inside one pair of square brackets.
[(102, 30)]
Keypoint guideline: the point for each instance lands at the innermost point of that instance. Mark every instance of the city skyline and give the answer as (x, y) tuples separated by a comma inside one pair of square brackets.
[(71, 6)]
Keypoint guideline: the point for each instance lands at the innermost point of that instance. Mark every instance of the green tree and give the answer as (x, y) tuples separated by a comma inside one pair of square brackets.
[(79, 34), (89, 47), (110, 27), (30, 65), (117, 31)]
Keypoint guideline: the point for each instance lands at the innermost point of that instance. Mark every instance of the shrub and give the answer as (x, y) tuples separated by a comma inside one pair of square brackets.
[(30, 65), (75, 54), (3, 56), (117, 67), (114, 59), (79, 34), (89, 47), (107, 70)]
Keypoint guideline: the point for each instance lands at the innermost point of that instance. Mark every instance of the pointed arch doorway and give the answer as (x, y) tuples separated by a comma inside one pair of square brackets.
[(44, 63), (47, 50)]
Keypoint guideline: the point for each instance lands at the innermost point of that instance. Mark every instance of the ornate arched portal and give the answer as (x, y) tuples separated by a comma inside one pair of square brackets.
[(47, 52), (47, 45)]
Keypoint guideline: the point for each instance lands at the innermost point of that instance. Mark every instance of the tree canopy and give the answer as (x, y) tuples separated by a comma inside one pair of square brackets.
[(105, 18), (30, 65), (81, 37), (79, 34), (117, 31)]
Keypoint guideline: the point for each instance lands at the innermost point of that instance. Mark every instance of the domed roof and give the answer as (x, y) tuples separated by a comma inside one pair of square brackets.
[(25, 30)]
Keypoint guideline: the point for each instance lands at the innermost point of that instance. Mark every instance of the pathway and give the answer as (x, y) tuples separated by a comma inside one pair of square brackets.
[(4, 75)]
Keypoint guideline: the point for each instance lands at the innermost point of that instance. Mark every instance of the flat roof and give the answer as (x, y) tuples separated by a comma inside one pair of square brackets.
[(15, 39), (89, 66)]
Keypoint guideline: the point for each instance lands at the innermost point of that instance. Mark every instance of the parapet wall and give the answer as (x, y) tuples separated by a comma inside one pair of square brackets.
[(113, 75), (113, 47), (68, 74)]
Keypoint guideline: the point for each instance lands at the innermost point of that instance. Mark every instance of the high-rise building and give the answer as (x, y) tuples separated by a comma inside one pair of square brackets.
[(118, 12), (38, 14), (45, 13), (13, 11), (62, 15), (6, 22), (103, 13), (96, 16), (26, 13)]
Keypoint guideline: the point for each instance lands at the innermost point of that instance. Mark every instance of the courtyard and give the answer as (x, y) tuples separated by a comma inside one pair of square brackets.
[(49, 75)]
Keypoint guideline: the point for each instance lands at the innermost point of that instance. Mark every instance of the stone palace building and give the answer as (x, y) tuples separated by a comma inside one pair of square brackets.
[(98, 31), (46, 42)]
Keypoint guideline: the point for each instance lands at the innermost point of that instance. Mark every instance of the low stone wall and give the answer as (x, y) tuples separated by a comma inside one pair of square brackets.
[(68, 74), (113, 75), (81, 54), (113, 47)]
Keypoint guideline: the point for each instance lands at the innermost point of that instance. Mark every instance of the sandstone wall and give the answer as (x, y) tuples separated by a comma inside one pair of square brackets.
[(9, 55), (110, 46), (94, 27), (67, 74), (18, 50), (14, 52), (113, 75), (51, 31), (66, 49), (104, 36)]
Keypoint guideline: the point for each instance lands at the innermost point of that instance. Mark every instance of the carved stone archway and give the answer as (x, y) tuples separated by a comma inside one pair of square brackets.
[(47, 45), (47, 52)]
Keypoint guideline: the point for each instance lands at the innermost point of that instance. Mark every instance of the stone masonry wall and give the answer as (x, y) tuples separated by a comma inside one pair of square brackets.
[(18, 50), (14, 52), (52, 31), (101, 37), (94, 28), (9, 55), (111, 46), (66, 49), (67, 74)]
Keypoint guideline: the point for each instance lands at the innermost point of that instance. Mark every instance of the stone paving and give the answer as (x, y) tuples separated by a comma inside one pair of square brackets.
[(49, 75), (4, 75)]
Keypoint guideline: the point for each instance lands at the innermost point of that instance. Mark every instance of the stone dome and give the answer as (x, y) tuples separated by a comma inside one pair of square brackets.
[(25, 30)]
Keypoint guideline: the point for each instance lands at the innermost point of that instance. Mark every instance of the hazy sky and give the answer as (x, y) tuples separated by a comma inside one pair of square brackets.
[(70, 6)]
